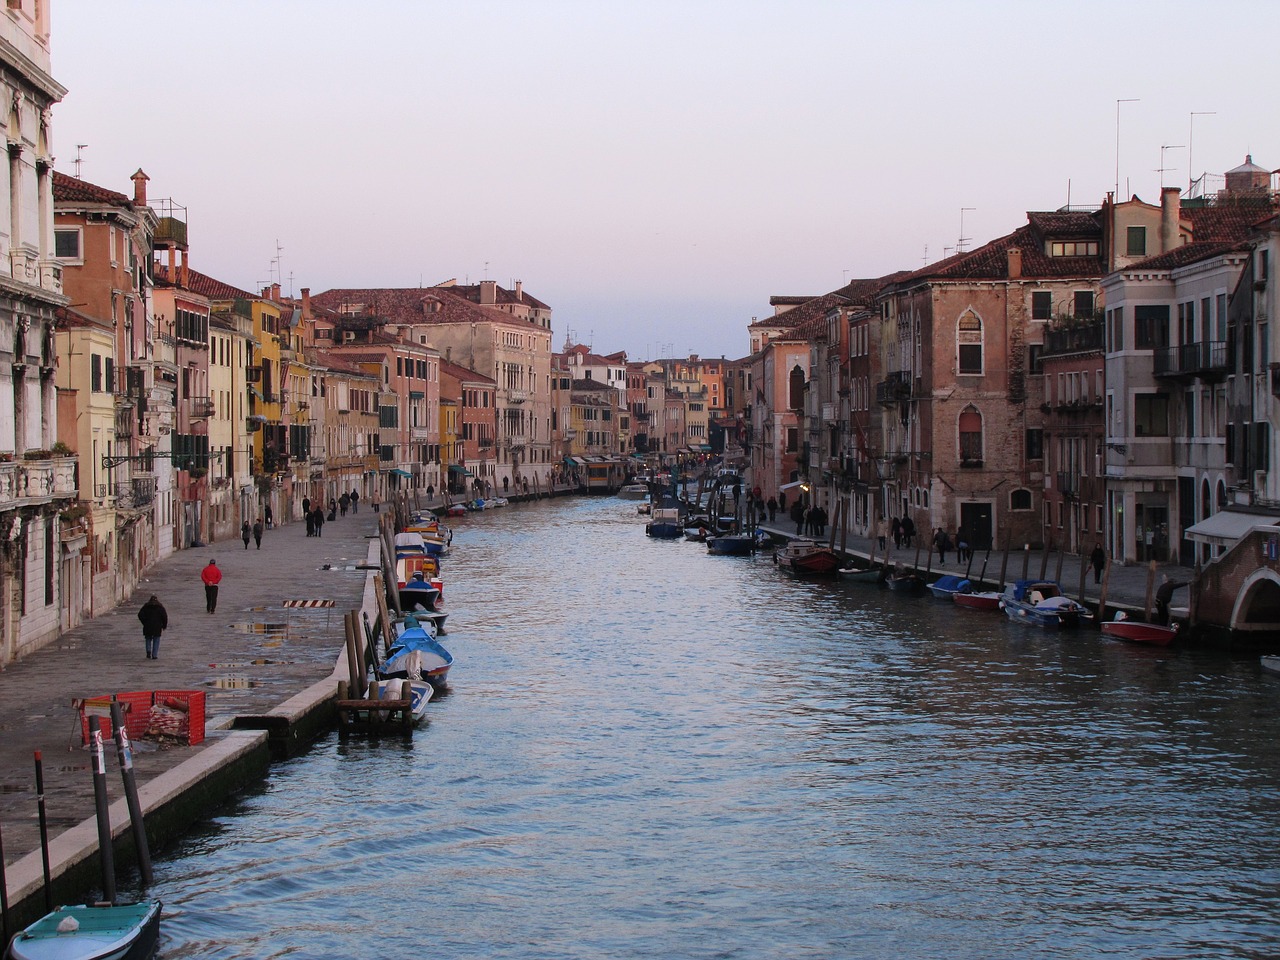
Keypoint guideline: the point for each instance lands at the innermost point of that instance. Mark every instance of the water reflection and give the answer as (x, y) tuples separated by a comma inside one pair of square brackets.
[(653, 752)]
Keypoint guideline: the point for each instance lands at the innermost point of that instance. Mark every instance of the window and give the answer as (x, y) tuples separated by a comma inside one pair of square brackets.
[(1136, 245), (66, 244), (1035, 365), (970, 436), (1151, 326), (1035, 443), (95, 373), (1084, 303), (1151, 415), (1020, 500), (969, 343), (1077, 248), (1115, 330), (1041, 305)]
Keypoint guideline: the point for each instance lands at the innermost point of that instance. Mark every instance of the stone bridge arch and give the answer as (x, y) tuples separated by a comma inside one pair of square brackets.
[(1257, 606)]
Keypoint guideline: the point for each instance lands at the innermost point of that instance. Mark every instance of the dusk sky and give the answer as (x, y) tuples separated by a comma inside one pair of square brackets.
[(653, 171)]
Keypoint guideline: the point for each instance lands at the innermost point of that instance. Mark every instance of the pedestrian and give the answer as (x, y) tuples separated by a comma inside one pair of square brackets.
[(772, 507), (823, 520), (895, 528), (797, 516), (306, 506), (257, 533), (940, 544), (1099, 560), (344, 501), (333, 509), (908, 530), (431, 491), (245, 533), (782, 499), (377, 501), (504, 486), (962, 545), (877, 531), (154, 620), (311, 523), (211, 576), (355, 501), (810, 520), (266, 515), (318, 515)]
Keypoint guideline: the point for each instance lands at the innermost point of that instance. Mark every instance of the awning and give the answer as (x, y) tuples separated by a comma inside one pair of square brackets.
[(577, 461), (456, 468), (397, 472), (793, 484), (257, 416), (1227, 526), (256, 392)]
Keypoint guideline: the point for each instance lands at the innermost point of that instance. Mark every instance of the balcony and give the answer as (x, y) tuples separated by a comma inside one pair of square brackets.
[(1207, 360), (135, 494), (893, 389), (30, 482), (253, 374), (1086, 338), (200, 408), (124, 420), (288, 354), (516, 396)]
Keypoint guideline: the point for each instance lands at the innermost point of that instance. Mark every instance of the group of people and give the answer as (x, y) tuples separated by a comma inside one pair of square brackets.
[(943, 542), (809, 521)]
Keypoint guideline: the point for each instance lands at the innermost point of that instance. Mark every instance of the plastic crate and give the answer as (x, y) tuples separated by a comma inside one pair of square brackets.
[(137, 715)]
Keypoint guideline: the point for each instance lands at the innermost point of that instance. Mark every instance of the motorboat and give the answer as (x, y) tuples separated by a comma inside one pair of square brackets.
[(666, 523), (696, 534), (416, 654), (978, 600), (494, 502), (904, 581), (736, 544), (874, 574), (1138, 631), (91, 932), (807, 556), (1271, 664), (1041, 603), (418, 592), (634, 491), (419, 692), (946, 587)]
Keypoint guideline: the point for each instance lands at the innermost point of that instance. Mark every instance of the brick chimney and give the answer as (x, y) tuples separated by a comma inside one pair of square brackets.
[(1170, 214), (306, 303), (275, 293), (519, 289), (1015, 262), (139, 188), (488, 292)]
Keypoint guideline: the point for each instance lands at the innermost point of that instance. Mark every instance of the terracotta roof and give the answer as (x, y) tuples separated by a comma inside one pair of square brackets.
[(595, 385), (466, 374), (471, 292), (203, 284), (70, 190), (415, 305), (1188, 253), (1228, 220)]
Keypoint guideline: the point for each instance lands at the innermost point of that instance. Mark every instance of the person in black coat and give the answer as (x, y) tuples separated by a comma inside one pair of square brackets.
[(154, 619), (1098, 559)]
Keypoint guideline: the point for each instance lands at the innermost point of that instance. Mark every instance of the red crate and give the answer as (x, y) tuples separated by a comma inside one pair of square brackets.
[(137, 715)]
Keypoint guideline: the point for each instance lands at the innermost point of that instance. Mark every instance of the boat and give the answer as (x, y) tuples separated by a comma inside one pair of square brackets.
[(1042, 603), (1271, 664), (456, 510), (734, 544), (874, 574), (420, 693), (91, 932), (417, 655), (807, 556), (634, 491), (1138, 631), (698, 534), (644, 509), (978, 600), (904, 581), (418, 592), (666, 523), (946, 587), (494, 502)]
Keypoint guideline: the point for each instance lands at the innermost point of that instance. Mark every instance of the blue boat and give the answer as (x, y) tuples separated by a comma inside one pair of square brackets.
[(418, 593), (416, 651), (736, 544), (1042, 604), (946, 587), (91, 932)]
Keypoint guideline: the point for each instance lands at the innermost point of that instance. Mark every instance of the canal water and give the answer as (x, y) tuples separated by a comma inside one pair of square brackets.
[(652, 752)]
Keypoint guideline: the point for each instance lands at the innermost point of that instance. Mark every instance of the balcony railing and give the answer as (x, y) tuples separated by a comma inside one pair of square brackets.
[(1077, 339), (1207, 360), (136, 493), (253, 374), (517, 396), (124, 421), (894, 388), (200, 408), (38, 481)]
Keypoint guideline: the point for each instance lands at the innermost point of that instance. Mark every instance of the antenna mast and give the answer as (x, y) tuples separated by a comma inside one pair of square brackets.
[(79, 147)]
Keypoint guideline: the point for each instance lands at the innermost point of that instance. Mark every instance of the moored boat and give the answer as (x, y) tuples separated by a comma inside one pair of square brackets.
[(733, 544), (1042, 603), (666, 523), (807, 556), (870, 575), (904, 581), (1137, 631), (417, 655), (946, 587), (978, 600), (91, 932), (634, 491)]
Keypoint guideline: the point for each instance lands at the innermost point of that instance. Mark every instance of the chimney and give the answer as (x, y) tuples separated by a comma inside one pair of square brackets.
[(186, 272), (1015, 262), (519, 289), (488, 292), (275, 292), (306, 303), (1170, 214), (139, 188)]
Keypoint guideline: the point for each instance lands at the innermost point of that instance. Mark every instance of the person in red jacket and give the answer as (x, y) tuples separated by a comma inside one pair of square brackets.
[(211, 577)]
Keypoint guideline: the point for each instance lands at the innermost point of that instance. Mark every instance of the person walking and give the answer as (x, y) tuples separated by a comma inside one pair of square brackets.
[(333, 509), (154, 619), (211, 576), (306, 506), (1099, 560), (355, 501), (895, 527), (311, 523), (245, 533), (377, 501), (344, 501), (940, 542), (797, 516), (266, 516), (772, 507), (908, 531), (318, 516), (257, 534)]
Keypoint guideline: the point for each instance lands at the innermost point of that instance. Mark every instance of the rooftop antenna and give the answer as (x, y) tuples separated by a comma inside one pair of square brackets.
[(290, 284), (79, 148), (486, 269), (1191, 136), (963, 239), (1163, 168), (1118, 102), (925, 258)]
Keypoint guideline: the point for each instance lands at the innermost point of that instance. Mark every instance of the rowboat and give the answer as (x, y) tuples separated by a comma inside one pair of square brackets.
[(91, 932), (807, 556), (420, 693), (417, 655), (946, 587), (903, 582), (856, 575), (1042, 603), (1136, 631), (983, 600)]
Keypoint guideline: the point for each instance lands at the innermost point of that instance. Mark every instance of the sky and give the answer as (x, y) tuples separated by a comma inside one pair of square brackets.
[(653, 171)]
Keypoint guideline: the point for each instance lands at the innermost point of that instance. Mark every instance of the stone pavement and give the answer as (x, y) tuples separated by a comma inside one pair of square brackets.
[(248, 657)]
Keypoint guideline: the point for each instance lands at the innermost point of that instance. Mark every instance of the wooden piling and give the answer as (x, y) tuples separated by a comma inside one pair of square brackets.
[(1057, 575), (1151, 591), (1102, 596), (1044, 558), (1084, 572), (1026, 559), (1004, 562)]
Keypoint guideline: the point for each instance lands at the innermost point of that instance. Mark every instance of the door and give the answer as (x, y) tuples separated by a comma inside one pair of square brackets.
[(975, 525)]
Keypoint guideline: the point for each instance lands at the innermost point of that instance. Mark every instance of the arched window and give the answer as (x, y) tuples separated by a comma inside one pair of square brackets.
[(970, 436), (1020, 500), (969, 343), (795, 392)]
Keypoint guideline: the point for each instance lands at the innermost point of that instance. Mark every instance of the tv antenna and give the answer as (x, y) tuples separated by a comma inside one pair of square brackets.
[(1191, 136), (962, 240), (1126, 185), (79, 148), (1163, 168)]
